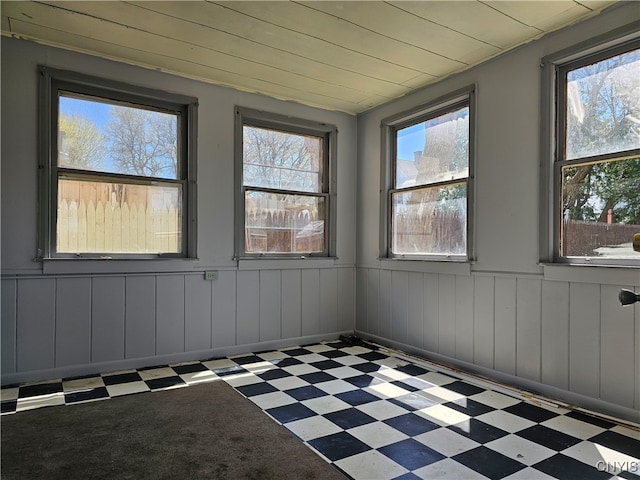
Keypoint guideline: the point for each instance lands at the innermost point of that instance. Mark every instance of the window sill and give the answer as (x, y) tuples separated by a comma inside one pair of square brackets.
[(613, 275), (51, 266), (458, 267), (281, 263)]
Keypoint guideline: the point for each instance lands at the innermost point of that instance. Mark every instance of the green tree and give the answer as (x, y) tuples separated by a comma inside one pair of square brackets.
[(603, 117), (81, 144)]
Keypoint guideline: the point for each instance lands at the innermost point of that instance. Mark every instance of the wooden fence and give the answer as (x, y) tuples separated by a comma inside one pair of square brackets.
[(114, 228), (582, 238), (435, 233), (283, 231)]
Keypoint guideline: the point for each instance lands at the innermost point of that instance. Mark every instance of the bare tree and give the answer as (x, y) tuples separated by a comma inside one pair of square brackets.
[(280, 160), (143, 142)]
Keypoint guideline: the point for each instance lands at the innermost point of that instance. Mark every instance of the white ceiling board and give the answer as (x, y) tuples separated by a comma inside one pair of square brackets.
[(97, 29), (187, 69), (394, 23), (347, 56), (542, 14), (331, 29), (476, 19), (238, 47)]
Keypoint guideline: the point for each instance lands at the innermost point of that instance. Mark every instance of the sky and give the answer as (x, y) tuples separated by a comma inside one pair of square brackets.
[(410, 139), (96, 111)]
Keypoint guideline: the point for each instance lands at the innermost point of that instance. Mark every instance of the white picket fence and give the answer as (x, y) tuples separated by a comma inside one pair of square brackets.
[(114, 228)]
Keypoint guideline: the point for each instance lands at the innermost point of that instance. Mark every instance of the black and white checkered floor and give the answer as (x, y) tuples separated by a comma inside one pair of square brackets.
[(377, 416)]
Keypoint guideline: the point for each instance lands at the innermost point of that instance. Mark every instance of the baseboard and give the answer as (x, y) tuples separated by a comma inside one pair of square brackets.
[(527, 388), (15, 378)]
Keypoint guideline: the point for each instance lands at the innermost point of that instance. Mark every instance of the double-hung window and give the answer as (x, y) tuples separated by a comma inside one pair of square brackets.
[(118, 170), (596, 168), (286, 186), (429, 159)]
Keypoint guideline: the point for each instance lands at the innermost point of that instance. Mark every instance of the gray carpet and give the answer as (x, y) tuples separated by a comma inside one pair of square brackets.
[(208, 431)]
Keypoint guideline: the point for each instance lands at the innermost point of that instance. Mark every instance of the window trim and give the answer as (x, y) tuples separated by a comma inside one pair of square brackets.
[(261, 119), (389, 126), (51, 82), (552, 134)]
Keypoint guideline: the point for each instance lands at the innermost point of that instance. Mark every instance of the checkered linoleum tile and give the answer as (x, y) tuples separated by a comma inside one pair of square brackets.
[(376, 416)]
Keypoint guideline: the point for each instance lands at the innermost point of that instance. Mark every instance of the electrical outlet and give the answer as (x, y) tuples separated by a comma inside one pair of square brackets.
[(211, 275)]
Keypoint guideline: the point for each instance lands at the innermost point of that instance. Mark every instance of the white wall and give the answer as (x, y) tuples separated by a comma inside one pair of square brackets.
[(555, 330), (76, 317)]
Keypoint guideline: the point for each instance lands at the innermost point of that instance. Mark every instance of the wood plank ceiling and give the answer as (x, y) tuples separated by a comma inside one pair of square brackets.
[(348, 56)]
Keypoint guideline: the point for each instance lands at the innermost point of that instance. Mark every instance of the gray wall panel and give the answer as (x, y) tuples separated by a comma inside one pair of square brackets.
[(223, 310), (8, 332), (555, 334), (310, 302), (197, 312), (415, 309), (399, 306), (107, 314), (291, 303), (362, 300), (483, 321), (384, 304), (528, 327), (73, 321), (505, 325), (36, 324), (431, 312), (248, 307), (617, 356), (464, 318), (328, 300), (169, 314), (140, 316), (584, 339), (270, 301), (373, 301), (346, 297), (447, 315)]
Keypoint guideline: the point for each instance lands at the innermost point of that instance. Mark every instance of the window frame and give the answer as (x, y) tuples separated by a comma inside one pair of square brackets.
[(261, 119), (54, 81), (554, 68), (464, 97)]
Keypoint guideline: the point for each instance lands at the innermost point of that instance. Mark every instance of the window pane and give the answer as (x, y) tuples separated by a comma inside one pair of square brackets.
[(275, 159), (96, 135), (430, 221), (435, 150), (109, 217), (601, 209), (277, 223), (603, 107)]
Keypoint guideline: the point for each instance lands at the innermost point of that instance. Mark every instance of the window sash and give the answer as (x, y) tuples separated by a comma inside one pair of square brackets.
[(326, 185), (464, 98), (150, 225), (284, 228), (560, 78)]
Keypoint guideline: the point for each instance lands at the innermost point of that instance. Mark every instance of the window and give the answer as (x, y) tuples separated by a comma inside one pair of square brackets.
[(596, 172), (286, 186), (118, 167), (429, 180)]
